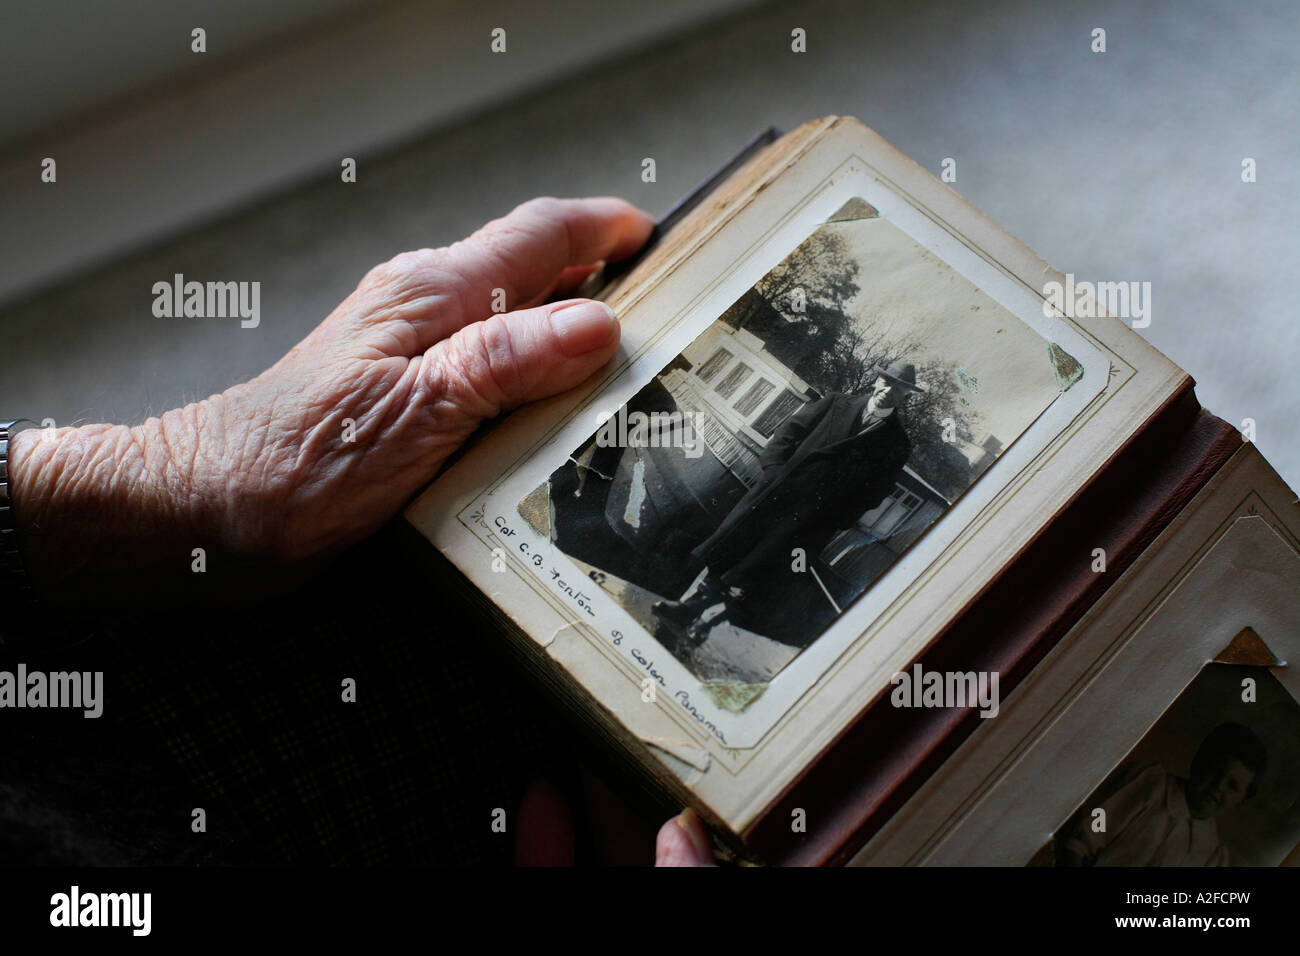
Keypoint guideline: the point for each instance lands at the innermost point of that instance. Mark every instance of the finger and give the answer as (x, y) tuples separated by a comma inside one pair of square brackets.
[(683, 842), (525, 251), (506, 360), (572, 277), (565, 284), (509, 263)]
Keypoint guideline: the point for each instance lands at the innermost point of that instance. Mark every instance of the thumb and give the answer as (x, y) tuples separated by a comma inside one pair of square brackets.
[(516, 357), (683, 841)]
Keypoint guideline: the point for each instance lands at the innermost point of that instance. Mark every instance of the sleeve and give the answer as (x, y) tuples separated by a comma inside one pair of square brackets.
[(791, 434)]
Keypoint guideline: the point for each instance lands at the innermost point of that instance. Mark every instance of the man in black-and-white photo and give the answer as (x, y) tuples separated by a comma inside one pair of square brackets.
[(830, 462)]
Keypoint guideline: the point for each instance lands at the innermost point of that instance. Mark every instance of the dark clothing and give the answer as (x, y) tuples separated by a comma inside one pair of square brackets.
[(821, 471), (241, 713)]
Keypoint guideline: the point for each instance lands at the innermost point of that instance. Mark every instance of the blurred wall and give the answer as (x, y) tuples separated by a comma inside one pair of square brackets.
[(1117, 166)]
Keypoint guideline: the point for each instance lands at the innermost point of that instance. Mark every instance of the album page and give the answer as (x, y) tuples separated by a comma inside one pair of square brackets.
[(843, 401), (1164, 728)]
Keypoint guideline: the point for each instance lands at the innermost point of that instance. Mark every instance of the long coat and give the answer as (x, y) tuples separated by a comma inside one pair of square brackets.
[(820, 472)]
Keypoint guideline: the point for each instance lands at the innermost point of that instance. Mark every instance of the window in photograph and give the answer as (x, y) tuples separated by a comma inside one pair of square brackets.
[(775, 414), (898, 507), (727, 387), (751, 400), (716, 363)]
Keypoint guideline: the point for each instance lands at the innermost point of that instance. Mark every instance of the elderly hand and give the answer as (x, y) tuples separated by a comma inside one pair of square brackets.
[(330, 442)]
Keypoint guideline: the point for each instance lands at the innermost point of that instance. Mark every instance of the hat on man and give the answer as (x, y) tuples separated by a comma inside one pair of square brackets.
[(901, 374)]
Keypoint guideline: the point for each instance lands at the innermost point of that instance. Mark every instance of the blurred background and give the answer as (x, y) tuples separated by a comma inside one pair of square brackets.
[(225, 165)]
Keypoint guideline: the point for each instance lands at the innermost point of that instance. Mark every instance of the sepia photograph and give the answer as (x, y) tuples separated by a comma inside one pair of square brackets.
[(1215, 782), (786, 458)]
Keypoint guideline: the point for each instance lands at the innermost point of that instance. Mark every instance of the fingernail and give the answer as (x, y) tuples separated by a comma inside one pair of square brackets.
[(583, 326), (693, 827)]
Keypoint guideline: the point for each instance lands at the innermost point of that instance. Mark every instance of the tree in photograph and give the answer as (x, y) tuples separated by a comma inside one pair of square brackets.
[(797, 305), (797, 310)]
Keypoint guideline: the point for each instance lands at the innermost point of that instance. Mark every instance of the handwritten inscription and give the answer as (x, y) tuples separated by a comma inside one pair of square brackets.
[(534, 557), (580, 598), (649, 667), (583, 601), (707, 724)]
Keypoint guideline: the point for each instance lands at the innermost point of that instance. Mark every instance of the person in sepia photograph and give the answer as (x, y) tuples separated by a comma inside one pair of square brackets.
[(832, 461), (1160, 819)]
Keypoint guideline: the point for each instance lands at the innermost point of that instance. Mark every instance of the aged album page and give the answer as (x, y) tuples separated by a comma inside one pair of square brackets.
[(1163, 729), (842, 403)]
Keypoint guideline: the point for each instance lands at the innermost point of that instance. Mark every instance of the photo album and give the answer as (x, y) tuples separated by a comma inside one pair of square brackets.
[(881, 541)]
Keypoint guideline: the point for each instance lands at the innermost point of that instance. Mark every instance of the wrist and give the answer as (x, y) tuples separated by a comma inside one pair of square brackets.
[(94, 501)]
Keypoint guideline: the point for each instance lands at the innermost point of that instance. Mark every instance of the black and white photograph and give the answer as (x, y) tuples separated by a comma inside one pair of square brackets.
[(787, 457), (1215, 782)]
